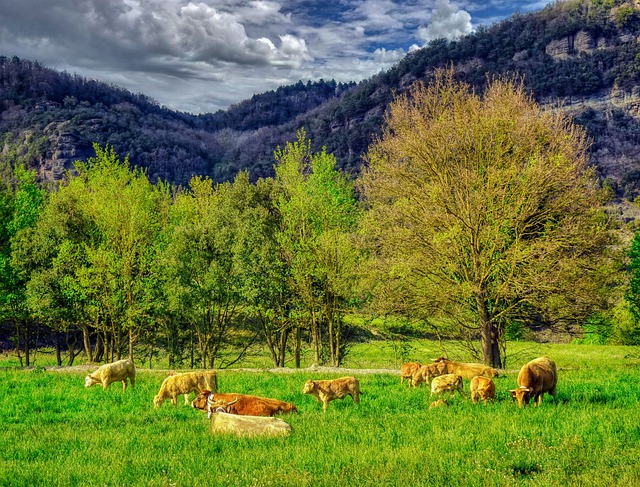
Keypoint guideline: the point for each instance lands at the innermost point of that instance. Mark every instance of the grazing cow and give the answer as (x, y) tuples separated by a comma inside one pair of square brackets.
[(467, 370), (114, 372), (407, 371), (482, 388), (328, 390), (427, 372), (248, 426), (242, 404), (446, 383), (438, 404), (535, 378), (176, 384)]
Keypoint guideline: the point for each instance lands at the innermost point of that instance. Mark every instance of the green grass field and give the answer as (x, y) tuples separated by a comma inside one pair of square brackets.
[(56, 432)]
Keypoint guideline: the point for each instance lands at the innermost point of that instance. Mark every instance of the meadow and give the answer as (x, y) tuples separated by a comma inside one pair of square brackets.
[(54, 432)]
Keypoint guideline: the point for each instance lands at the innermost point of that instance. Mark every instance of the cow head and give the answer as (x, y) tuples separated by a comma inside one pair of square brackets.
[(157, 401), (201, 400), (220, 406), (522, 394), (309, 387), (90, 380)]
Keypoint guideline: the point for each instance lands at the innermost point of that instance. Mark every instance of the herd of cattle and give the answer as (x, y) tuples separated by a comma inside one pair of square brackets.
[(250, 415)]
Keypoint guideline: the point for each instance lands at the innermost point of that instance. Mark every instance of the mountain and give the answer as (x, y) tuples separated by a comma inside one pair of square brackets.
[(582, 56)]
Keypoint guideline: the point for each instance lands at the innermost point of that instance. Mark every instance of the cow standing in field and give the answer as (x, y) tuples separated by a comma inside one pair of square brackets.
[(482, 388), (446, 383), (427, 372), (185, 383), (242, 404), (328, 390), (408, 370), (535, 378), (466, 370), (114, 372)]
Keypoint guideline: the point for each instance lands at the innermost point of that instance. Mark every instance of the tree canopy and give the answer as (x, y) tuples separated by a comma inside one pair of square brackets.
[(483, 209)]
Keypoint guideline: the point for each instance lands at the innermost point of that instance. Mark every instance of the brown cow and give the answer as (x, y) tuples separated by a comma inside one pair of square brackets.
[(467, 370), (446, 383), (407, 370), (243, 404), (482, 388), (328, 390), (427, 372), (535, 378)]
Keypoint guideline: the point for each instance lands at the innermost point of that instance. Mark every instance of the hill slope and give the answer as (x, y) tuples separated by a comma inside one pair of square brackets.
[(581, 54)]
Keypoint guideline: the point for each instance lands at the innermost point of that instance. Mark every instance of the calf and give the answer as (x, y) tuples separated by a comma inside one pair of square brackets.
[(242, 404), (407, 370), (482, 388), (426, 373), (535, 378), (328, 390), (114, 372), (446, 383)]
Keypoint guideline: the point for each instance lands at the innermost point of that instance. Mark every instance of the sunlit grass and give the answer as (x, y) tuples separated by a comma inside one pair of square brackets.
[(56, 432)]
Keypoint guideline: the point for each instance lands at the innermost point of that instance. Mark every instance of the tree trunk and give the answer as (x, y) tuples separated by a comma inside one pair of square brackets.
[(87, 343), (298, 345), (315, 331), (489, 336), (132, 341), (283, 347), (27, 339), (57, 344)]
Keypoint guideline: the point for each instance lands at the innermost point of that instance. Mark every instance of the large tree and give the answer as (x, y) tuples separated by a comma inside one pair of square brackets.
[(483, 209)]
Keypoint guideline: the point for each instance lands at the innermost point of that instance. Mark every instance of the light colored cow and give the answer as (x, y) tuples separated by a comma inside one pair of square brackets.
[(107, 374), (446, 383), (328, 390), (467, 370), (427, 372), (185, 383)]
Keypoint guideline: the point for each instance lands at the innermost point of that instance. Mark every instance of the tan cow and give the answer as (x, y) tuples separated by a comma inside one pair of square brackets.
[(328, 390), (535, 378), (248, 426), (482, 388), (427, 372), (185, 383), (467, 370), (242, 404), (438, 404), (114, 372), (407, 370), (446, 383)]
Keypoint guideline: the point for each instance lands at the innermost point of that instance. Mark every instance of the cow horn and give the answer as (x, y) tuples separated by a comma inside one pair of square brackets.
[(232, 402)]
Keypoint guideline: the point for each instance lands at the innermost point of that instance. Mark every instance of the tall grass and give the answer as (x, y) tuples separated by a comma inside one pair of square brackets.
[(54, 432)]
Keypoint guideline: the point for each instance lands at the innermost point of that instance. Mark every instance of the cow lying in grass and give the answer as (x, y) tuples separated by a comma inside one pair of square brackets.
[(535, 378), (114, 372), (328, 390), (242, 404), (467, 370), (185, 383), (248, 426)]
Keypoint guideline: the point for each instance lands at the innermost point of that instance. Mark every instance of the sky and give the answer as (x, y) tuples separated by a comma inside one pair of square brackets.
[(200, 56)]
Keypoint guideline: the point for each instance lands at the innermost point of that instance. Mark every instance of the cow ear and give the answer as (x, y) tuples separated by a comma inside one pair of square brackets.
[(513, 393)]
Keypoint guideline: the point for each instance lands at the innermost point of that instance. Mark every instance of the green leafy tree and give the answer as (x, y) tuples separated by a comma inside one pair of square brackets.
[(319, 215), (482, 210)]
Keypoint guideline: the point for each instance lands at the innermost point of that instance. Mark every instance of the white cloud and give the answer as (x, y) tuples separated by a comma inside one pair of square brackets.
[(447, 21)]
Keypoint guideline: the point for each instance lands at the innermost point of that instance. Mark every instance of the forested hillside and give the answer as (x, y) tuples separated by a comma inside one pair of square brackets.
[(581, 54)]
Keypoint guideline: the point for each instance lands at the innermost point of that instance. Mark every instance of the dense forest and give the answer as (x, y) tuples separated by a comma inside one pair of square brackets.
[(580, 54)]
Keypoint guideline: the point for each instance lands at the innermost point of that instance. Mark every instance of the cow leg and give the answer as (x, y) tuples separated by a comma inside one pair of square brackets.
[(174, 400), (124, 384), (186, 399), (132, 379), (355, 397), (325, 404)]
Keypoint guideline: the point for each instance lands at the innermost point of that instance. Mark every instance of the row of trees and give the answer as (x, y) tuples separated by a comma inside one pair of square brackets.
[(476, 212)]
